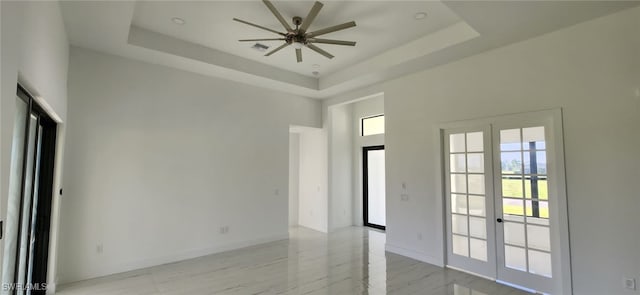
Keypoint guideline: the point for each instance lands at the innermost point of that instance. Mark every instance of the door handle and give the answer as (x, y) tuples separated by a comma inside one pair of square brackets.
[(499, 220)]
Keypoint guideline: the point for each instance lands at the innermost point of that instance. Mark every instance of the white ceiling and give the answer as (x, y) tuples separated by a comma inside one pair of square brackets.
[(380, 26), (391, 42)]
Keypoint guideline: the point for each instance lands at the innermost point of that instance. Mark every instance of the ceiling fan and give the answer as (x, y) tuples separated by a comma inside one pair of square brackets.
[(299, 37)]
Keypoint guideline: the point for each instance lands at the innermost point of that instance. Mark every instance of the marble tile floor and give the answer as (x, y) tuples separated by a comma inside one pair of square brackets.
[(349, 261)]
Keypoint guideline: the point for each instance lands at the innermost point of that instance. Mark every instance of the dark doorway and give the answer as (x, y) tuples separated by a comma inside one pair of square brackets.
[(373, 190)]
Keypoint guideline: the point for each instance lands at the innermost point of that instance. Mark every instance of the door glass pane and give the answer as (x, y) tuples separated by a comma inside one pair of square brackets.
[(538, 237), (514, 233), (23, 241), (459, 224), (511, 162), (536, 187), (477, 227), (460, 245), (510, 140), (475, 163), (535, 162), (475, 142), (456, 143), (459, 183), (478, 249), (376, 187), (458, 163), (512, 207), (512, 186), (540, 263), (514, 257), (476, 184), (533, 135), (459, 204), (477, 206)]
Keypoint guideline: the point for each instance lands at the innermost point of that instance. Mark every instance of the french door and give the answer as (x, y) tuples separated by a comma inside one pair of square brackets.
[(504, 200)]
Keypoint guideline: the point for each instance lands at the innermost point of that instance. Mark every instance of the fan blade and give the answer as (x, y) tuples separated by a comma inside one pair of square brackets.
[(310, 17), (299, 54), (329, 41), (331, 29), (275, 50), (318, 50), (277, 15), (273, 39), (258, 26)]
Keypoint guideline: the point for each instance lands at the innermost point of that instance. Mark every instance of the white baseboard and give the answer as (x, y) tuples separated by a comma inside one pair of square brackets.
[(176, 257), (51, 288), (420, 256)]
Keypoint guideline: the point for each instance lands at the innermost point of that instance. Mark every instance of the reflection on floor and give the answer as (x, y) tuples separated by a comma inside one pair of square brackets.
[(349, 261)]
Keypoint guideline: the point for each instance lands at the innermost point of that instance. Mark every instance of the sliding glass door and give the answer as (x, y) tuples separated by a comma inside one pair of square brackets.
[(29, 210)]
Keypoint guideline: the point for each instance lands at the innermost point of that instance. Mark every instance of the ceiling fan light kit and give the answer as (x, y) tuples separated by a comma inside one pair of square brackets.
[(299, 37)]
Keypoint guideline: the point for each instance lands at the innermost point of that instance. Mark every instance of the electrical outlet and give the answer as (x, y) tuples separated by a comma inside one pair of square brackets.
[(630, 283), (276, 192), (224, 229), (99, 248)]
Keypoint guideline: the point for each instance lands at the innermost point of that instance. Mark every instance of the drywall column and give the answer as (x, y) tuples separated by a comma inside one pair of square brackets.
[(294, 178), (340, 166), (313, 179)]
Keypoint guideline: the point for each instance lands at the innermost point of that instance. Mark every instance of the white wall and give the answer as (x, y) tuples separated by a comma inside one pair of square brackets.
[(294, 178), (35, 53), (364, 108), (591, 71), (340, 166), (158, 160), (313, 198)]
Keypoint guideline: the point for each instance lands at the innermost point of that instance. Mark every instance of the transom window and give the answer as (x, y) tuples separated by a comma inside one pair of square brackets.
[(372, 125)]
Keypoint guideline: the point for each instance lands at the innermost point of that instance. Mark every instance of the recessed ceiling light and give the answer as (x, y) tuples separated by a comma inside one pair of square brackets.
[(316, 66), (420, 15), (315, 73), (178, 21)]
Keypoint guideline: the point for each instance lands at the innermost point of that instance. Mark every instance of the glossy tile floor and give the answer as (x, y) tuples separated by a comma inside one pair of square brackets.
[(349, 261)]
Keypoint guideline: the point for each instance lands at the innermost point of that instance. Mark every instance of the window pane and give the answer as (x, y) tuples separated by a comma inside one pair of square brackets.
[(474, 142), (456, 143), (373, 125)]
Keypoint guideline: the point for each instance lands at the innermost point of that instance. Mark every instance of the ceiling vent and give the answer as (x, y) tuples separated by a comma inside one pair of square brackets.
[(260, 47)]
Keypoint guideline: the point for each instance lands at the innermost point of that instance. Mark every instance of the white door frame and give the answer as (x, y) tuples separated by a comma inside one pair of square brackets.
[(561, 261)]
